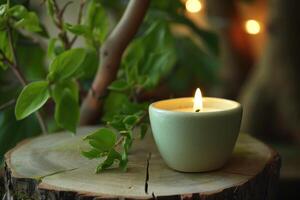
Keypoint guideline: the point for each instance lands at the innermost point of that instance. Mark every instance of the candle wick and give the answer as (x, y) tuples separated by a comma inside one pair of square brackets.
[(198, 110)]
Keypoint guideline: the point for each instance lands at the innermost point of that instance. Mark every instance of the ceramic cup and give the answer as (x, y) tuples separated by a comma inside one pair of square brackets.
[(195, 141)]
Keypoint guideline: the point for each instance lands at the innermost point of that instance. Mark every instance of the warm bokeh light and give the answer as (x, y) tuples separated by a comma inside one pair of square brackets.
[(193, 6), (252, 26), (198, 103)]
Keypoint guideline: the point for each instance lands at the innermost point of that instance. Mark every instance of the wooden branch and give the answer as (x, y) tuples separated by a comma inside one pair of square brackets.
[(111, 54)]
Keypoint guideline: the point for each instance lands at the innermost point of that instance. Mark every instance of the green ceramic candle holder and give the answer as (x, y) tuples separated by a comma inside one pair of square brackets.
[(191, 141)]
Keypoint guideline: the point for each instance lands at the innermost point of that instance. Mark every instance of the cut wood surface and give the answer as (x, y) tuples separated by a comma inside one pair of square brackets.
[(51, 167)]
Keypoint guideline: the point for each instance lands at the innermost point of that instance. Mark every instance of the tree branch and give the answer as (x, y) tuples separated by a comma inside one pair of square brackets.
[(111, 54)]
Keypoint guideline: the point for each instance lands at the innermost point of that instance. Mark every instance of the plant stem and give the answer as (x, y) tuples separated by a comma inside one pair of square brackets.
[(14, 64), (41, 122), (119, 141), (60, 24), (81, 6), (7, 104), (16, 69)]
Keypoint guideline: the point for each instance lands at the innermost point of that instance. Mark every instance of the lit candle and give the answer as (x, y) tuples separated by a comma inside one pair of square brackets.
[(195, 134)]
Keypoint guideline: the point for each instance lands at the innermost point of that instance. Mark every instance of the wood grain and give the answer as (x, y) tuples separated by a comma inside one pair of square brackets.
[(51, 167)]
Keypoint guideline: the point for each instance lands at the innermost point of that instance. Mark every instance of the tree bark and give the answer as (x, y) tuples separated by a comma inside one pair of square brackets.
[(51, 167), (2, 187), (272, 94), (111, 54), (236, 57)]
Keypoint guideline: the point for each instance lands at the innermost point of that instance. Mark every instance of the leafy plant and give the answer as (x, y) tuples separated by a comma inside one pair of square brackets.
[(151, 57)]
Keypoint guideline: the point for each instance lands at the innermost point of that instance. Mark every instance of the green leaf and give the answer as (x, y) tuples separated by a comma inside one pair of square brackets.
[(51, 8), (3, 10), (127, 142), (32, 97), (119, 86), (117, 122), (103, 139), (97, 20), (143, 130), (78, 29), (130, 121), (157, 65), (124, 161), (132, 74), (136, 109), (91, 154), (4, 45), (113, 104), (145, 61), (51, 47), (89, 66), (3, 16), (18, 11), (109, 161), (202, 67), (209, 38), (25, 19), (66, 64), (126, 133), (59, 87), (67, 111)]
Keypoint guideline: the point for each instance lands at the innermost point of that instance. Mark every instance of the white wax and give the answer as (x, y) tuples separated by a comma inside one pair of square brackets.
[(191, 109)]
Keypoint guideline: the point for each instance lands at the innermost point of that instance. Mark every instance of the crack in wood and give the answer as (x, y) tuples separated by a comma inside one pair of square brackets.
[(147, 173), (153, 196), (40, 178)]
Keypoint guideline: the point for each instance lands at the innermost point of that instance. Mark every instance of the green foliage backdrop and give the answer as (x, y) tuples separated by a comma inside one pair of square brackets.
[(156, 56)]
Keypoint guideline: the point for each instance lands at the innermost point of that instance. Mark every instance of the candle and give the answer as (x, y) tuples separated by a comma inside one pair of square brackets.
[(195, 134)]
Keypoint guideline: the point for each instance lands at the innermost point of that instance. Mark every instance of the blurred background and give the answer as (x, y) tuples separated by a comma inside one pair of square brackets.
[(247, 50)]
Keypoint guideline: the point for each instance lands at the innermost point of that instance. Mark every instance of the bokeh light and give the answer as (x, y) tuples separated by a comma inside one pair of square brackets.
[(252, 27), (193, 6)]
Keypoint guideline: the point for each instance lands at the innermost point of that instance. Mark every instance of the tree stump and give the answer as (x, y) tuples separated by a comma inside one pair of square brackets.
[(51, 167)]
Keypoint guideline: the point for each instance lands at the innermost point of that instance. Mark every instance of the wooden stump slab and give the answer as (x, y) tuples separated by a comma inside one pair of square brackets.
[(51, 167)]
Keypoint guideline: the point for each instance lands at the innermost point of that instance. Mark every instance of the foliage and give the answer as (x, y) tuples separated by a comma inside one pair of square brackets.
[(156, 54), (32, 97)]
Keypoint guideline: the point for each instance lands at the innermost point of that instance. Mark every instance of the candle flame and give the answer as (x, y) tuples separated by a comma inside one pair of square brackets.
[(198, 103)]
